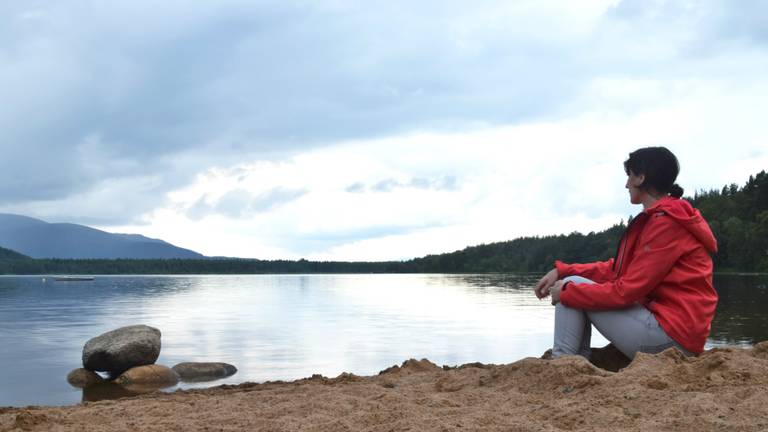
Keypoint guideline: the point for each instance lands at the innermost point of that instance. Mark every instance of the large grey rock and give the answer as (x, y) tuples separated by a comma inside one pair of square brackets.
[(119, 350), (196, 371)]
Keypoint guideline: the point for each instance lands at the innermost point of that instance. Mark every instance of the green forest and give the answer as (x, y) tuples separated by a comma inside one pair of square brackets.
[(738, 216)]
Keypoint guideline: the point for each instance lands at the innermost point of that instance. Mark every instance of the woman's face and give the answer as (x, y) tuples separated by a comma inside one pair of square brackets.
[(633, 184)]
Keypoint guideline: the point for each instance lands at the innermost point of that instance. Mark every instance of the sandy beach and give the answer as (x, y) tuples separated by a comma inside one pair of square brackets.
[(722, 389)]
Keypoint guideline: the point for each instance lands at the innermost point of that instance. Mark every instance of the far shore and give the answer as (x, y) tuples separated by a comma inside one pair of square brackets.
[(51, 276)]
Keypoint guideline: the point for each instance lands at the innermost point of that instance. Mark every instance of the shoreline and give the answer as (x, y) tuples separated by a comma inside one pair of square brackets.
[(722, 389), (496, 273)]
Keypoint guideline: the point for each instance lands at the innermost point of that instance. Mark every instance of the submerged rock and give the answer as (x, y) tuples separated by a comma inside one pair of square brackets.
[(82, 378), (121, 349), (148, 376), (200, 371)]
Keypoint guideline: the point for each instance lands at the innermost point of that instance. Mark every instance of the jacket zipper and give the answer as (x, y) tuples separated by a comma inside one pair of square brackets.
[(622, 246)]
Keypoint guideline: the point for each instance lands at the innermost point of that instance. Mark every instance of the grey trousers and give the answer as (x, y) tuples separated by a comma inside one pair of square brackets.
[(633, 329)]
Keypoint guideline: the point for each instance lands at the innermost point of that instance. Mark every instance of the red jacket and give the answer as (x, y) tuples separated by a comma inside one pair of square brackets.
[(663, 263)]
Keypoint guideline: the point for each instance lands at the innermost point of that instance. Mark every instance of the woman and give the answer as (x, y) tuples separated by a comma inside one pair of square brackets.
[(657, 292)]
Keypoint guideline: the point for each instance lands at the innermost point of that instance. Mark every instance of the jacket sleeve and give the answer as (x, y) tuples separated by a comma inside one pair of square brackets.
[(657, 250), (598, 271)]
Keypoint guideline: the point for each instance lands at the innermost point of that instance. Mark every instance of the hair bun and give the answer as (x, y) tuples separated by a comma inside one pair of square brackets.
[(676, 191)]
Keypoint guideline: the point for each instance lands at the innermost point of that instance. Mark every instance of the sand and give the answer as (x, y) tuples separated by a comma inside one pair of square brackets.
[(722, 389)]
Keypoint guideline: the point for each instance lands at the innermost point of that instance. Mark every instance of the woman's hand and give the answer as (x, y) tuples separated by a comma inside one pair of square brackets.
[(545, 283), (556, 289)]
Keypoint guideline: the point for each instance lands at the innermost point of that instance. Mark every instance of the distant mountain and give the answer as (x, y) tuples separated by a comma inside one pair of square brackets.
[(39, 239)]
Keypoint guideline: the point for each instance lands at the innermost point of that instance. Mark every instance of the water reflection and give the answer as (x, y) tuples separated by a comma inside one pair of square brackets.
[(110, 391), (740, 316), (500, 281)]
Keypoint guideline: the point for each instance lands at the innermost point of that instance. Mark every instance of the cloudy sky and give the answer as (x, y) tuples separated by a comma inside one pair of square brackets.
[(367, 130)]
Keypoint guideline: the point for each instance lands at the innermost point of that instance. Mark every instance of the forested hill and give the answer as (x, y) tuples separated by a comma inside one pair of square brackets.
[(526, 254), (7, 254), (738, 217)]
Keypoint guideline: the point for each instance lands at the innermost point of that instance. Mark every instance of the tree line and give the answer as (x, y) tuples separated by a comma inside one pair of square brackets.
[(737, 215)]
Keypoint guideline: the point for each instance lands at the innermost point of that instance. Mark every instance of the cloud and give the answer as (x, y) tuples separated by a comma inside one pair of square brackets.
[(241, 79), (241, 203), (271, 122), (701, 22), (357, 187), (316, 245), (385, 185), (446, 183)]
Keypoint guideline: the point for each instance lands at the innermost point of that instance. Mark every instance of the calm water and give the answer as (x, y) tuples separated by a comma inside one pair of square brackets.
[(292, 326)]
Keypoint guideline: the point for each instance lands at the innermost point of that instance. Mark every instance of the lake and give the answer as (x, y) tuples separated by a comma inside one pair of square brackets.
[(284, 327)]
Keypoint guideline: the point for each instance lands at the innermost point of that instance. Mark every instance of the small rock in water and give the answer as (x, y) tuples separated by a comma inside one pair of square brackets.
[(149, 375), (197, 371), (119, 350), (82, 378)]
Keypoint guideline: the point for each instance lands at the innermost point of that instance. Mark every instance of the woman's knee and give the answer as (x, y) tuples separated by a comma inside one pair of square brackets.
[(578, 280)]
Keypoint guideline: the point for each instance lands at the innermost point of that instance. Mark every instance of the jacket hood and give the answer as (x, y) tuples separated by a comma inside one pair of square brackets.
[(688, 217)]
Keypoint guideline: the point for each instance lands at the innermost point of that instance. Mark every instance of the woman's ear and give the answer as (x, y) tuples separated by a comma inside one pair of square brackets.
[(639, 180)]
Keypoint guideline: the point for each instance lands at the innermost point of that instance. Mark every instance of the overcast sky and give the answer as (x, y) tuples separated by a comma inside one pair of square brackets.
[(368, 130)]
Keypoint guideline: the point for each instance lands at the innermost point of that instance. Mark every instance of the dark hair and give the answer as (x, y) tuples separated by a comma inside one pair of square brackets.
[(660, 168)]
